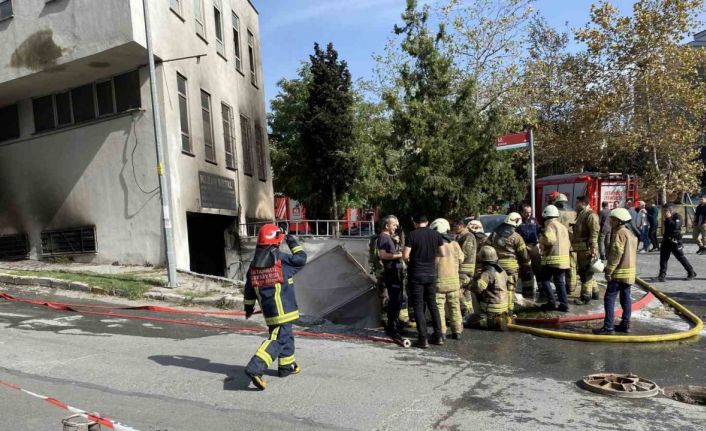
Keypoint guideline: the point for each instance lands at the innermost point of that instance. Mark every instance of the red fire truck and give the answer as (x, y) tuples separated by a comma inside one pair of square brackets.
[(613, 188)]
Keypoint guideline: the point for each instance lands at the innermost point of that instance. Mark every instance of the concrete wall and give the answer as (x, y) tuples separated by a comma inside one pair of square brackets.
[(218, 76), (95, 174), (83, 175)]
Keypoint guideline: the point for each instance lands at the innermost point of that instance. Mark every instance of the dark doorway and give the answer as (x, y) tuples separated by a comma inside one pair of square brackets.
[(207, 242)]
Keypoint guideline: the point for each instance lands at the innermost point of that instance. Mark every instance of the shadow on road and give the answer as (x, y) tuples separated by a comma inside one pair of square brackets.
[(235, 379)]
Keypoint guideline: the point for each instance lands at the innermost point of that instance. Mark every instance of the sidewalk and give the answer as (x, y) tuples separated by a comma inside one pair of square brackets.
[(131, 282)]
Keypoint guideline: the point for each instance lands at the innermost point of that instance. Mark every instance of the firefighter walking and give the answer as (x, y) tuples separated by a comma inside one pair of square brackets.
[(269, 281), (512, 253), (584, 242)]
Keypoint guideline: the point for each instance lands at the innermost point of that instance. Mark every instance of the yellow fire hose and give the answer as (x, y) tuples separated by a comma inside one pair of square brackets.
[(693, 318)]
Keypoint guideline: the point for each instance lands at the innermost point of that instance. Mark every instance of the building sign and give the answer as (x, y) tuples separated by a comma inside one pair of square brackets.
[(614, 194), (513, 141), (217, 192)]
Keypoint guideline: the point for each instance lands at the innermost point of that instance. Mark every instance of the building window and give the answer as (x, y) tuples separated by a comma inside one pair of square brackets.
[(87, 102), (236, 43), (10, 120), (184, 114), (262, 152), (227, 115), (175, 5), (64, 116), (105, 98), (82, 103), (199, 18), (43, 108), (5, 9), (245, 139), (218, 25), (207, 127), (251, 57), (127, 91)]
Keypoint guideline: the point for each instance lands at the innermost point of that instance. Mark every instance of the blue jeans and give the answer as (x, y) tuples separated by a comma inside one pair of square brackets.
[(550, 273), (645, 237), (615, 288)]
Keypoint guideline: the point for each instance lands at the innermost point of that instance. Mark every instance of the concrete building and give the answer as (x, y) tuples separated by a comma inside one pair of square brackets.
[(78, 170)]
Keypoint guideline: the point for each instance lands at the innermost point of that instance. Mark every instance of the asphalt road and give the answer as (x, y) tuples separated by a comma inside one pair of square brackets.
[(162, 376)]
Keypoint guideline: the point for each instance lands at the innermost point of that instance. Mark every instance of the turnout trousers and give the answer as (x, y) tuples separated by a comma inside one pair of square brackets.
[(583, 264), (452, 300), (278, 346)]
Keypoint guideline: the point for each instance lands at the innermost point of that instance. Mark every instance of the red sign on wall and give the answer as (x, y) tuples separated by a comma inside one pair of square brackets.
[(512, 141)]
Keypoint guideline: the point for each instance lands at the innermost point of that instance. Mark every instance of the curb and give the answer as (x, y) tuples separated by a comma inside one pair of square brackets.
[(219, 301)]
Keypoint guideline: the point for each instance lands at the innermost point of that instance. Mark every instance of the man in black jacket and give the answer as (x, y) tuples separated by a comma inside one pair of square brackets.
[(672, 243), (700, 225)]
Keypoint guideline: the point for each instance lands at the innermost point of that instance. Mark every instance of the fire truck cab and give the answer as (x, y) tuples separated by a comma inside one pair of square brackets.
[(613, 188)]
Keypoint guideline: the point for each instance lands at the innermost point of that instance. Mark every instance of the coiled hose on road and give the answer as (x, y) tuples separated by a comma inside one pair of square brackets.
[(693, 318)]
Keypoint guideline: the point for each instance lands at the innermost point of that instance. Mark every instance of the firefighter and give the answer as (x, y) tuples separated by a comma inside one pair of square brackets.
[(555, 246), (467, 240), (270, 282), (448, 285), (529, 230), (512, 253), (567, 217), (620, 272), (476, 228), (490, 288), (584, 243)]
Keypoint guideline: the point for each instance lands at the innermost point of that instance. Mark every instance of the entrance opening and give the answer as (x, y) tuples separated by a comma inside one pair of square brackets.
[(207, 242)]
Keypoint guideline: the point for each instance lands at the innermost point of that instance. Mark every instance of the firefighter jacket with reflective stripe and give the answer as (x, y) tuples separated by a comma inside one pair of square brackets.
[(491, 288), (276, 293), (512, 251), (622, 256), (447, 268), (555, 245), (467, 241), (586, 230)]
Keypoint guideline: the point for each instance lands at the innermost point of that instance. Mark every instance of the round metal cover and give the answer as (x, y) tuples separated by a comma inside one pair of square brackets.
[(619, 385)]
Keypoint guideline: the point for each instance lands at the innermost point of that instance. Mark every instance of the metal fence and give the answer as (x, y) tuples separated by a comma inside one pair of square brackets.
[(317, 228)]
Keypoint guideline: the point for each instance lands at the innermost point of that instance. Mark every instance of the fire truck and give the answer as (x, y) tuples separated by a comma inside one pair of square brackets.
[(613, 188)]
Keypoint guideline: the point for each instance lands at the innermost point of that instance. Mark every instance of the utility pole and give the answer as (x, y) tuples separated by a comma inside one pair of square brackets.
[(164, 186)]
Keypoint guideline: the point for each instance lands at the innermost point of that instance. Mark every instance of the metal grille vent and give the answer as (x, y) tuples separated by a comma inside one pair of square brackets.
[(14, 247), (69, 241)]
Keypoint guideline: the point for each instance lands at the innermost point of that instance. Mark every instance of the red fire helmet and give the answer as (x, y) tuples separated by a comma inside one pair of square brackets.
[(269, 235)]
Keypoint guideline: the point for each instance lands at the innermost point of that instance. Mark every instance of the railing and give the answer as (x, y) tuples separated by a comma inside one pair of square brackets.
[(317, 228)]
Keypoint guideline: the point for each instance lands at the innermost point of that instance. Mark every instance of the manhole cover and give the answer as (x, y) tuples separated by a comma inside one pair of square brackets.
[(620, 385), (687, 394)]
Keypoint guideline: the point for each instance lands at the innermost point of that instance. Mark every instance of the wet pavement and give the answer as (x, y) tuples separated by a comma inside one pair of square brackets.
[(167, 376)]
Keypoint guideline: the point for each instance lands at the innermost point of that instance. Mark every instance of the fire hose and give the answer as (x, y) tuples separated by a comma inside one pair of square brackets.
[(685, 312)]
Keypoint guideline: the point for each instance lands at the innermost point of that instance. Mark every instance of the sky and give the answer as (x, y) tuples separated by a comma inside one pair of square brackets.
[(358, 29)]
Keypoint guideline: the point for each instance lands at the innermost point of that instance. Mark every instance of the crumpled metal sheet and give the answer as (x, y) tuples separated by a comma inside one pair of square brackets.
[(334, 286)]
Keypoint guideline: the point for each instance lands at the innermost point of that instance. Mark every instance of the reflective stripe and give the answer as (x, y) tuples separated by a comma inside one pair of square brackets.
[(249, 302), (284, 318), (509, 263), (257, 293), (290, 281), (262, 352), (468, 267), (493, 308), (278, 299), (556, 260), (286, 360), (482, 284), (448, 281), (297, 249)]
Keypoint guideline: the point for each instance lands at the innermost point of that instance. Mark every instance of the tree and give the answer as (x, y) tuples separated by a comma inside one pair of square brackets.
[(287, 109), (655, 98), (448, 164)]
